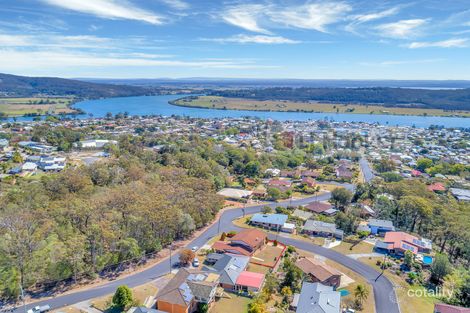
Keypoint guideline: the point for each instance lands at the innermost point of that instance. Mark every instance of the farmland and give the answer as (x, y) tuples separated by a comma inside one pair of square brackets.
[(35, 106), (224, 103)]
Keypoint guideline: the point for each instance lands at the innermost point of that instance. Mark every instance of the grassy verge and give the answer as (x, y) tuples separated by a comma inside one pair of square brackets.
[(352, 248), (408, 302), (222, 103), (140, 294)]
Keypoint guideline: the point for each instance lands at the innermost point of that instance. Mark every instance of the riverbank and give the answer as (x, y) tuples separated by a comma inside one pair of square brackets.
[(222, 103)]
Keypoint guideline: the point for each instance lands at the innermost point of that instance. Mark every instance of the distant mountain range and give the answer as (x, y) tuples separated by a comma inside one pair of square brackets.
[(21, 86), (446, 95), (295, 83)]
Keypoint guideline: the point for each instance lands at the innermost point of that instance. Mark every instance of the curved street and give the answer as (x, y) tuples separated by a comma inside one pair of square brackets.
[(384, 294)]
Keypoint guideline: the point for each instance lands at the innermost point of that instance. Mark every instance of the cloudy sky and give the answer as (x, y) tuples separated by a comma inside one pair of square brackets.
[(355, 39)]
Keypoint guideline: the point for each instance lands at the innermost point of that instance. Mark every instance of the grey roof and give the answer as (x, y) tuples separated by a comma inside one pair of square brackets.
[(461, 194), (380, 223), (214, 256), (230, 267), (302, 214), (276, 219), (318, 226), (143, 309), (318, 298)]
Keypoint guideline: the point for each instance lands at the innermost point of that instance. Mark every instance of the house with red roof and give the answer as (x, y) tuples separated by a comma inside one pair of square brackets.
[(398, 242), (447, 308), (436, 187), (249, 281), (246, 242)]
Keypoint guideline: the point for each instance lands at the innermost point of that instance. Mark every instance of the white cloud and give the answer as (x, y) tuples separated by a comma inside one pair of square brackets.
[(364, 18), (110, 9), (450, 43), (176, 4), (260, 39), (401, 29), (246, 16), (316, 16), (12, 60)]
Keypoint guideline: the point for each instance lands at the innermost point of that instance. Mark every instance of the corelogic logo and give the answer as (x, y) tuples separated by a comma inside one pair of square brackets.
[(439, 292)]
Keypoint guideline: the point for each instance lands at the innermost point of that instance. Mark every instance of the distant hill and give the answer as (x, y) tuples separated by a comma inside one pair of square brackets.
[(21, 86), (458, 99)]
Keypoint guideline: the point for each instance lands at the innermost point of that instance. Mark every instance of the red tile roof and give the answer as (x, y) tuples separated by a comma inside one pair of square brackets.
[(401, 240), (222, 246), (251, 237), (250, 279), (436, 187), (318, 207), (446, 308)]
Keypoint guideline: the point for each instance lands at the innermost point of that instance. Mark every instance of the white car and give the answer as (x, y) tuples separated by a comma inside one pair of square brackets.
[(194, 249), (196, 262)]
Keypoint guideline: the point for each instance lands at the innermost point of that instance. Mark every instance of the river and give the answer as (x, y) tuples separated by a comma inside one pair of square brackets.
[(158, 105)]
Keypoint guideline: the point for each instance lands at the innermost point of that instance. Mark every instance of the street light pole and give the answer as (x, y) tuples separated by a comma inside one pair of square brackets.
[(22, 297)]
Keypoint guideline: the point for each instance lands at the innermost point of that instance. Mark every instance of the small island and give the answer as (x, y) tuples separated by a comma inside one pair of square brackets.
[(232, 103)]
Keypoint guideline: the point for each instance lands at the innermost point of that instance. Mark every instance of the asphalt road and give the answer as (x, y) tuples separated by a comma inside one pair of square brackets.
[(366, 170), (385, 298)]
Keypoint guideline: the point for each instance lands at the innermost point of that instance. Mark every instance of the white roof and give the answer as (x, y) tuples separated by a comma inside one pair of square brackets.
[(234, 193)]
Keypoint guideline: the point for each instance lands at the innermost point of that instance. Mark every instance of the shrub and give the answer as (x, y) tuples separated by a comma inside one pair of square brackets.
[(123, 297)]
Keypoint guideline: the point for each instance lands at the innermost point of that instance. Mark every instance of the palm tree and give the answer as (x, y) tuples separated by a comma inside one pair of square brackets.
[(361, 293)]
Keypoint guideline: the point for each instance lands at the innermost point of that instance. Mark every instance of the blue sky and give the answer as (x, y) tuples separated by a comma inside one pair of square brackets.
[(355, 39)]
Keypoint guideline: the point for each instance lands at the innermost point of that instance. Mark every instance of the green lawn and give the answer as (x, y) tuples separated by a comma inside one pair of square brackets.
[(235, 304), (350, 248)]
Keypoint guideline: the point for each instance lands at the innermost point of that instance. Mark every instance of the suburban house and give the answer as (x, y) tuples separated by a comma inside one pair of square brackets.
[(143, 309), (460, 194), (233, 274), (437, 187), (399, 242), (309, 182), (250, 239), (246, 242), (447, 308), (321, 208), (186, 289), (343, 171), (282, 185), (319, 272), (233, 193), (324, 229), (269, 221), (315, 297), (378, 227), (212, 258), (304, 215)]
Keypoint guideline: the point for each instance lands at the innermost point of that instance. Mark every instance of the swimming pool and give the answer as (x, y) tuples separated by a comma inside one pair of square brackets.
[(427, 260)]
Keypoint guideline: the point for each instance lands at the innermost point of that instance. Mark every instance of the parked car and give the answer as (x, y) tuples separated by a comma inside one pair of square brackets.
[(40, 309), (196, 262), (194, 249)]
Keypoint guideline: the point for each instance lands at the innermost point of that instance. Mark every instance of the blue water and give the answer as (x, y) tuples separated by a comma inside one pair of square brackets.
[(158, 105), (343, 292), (427, 260)]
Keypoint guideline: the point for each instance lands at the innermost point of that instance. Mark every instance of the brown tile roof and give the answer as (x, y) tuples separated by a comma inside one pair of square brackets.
[(318, 207), (223, 246), (316, 268), (251, 237)]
